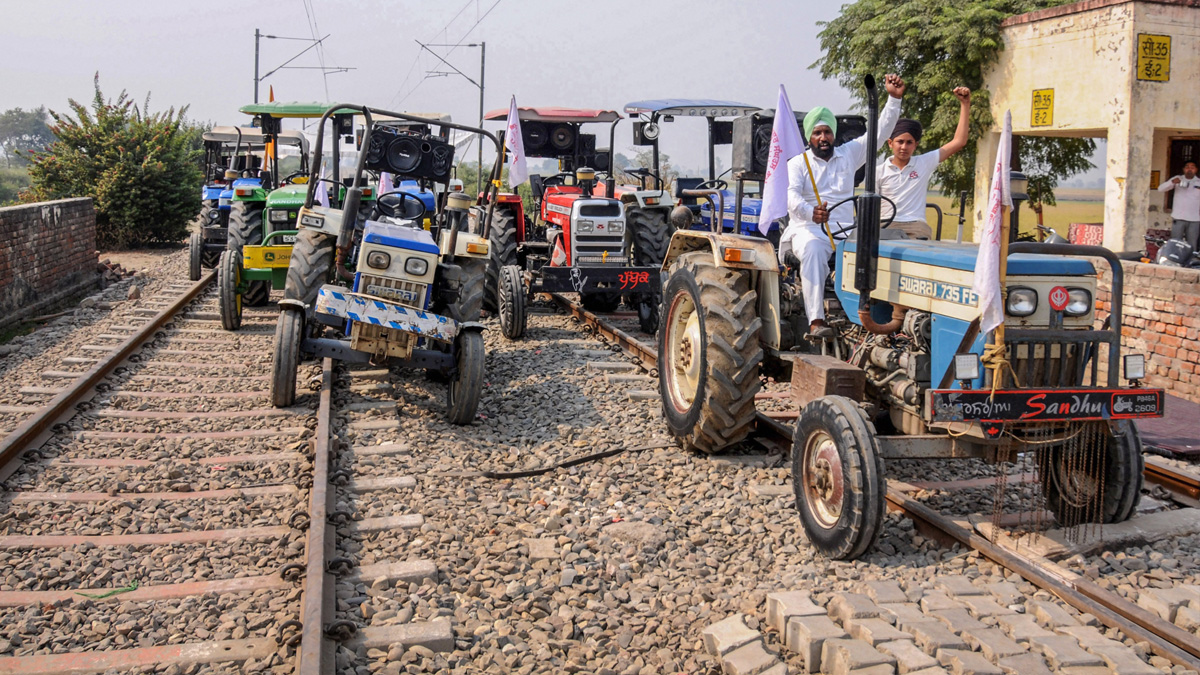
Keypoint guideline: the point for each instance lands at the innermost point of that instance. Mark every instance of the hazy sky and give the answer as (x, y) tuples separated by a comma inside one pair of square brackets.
[(546, 52)]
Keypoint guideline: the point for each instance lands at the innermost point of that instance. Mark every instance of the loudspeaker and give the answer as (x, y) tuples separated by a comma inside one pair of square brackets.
[(640, 137), (562, 137), (722, 132), (587, 144), (602, 161), (752, 138), (534, 136), (410, 155)]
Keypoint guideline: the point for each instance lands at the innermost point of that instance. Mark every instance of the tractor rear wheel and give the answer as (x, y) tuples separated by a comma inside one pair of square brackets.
[(245, 226), (312, 258), (464, 389), (838, 477), (195, 253), (289, 331), (1081, 484), (469, 305), (502, 251), (512, 303), (649, 237), (709, 353), (229, 300)]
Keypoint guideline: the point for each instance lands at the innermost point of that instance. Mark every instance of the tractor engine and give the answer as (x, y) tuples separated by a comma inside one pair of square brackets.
[(898, 369), (584, 230)]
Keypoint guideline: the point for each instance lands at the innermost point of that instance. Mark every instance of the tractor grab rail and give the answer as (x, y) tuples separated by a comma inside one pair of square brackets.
[(718, 221)]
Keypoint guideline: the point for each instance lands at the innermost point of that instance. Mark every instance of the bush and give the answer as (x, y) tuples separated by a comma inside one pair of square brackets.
[(141, 169), (12, 181)]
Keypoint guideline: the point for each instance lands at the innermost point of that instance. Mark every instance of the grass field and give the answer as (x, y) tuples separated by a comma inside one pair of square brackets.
[(1074, 206)]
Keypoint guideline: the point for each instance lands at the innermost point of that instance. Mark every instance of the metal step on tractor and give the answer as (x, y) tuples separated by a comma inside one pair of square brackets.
[(262, 216), (588, 237), (229, 155), (902, 378), (383, 289)]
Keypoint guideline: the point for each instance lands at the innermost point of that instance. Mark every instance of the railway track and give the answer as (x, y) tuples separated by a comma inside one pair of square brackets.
[(1167, 640)]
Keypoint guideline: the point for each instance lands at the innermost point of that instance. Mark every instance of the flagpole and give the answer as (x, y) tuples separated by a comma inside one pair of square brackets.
[(813, 180)]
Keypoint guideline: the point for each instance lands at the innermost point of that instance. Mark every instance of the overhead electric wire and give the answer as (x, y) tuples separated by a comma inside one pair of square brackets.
[(417, 59)]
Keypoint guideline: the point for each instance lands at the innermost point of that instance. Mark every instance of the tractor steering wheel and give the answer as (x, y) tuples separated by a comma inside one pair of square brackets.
[(556, 180), (287, 180), (404, 205), (884, 222), (715, 184)]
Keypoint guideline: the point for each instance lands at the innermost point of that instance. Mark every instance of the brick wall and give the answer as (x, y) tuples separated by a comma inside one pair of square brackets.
[(1161, 320), (47, 252)]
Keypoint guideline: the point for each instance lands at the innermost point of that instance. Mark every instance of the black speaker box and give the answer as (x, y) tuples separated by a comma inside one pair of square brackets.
[(751, 137), (722, 132), (639, 135), (534, 136), (410, 155)]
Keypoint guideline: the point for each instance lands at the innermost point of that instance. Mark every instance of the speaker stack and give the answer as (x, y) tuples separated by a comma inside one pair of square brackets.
[(410, 155)]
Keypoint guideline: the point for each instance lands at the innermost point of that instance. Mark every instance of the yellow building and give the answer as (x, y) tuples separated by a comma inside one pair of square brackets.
[(1124, 70)]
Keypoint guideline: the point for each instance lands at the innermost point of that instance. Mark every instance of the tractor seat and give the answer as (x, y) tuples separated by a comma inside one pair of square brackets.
[(693, 203)]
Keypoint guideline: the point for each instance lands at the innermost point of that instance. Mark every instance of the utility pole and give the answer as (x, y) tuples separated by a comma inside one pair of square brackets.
[(482, 72), (313, 42), (257, 36)]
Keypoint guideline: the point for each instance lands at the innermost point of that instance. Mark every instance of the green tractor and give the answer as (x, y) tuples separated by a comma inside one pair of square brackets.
[(263, 213), (229, 155)]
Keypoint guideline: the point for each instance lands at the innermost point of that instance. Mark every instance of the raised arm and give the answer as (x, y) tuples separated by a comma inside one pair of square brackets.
[(887, 122), (960, 133), (1168, 185)]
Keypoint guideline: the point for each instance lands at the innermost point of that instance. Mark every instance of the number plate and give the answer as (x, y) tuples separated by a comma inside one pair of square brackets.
[(392, 293), (287, 238), (1034, 405)]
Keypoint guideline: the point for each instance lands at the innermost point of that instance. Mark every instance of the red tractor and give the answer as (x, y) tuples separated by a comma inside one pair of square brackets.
[(588, 236)]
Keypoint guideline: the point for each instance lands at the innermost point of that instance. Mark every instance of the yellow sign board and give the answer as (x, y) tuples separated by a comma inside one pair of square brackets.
[(1153, 57), (266, 257), (1043, 108)]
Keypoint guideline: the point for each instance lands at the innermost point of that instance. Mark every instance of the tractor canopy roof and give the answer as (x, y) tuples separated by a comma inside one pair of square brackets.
[(690, 107), (290, 109), (252, 138), (576, 115)]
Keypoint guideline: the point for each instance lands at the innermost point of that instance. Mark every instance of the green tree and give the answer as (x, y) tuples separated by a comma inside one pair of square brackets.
[(140, 168), (936, 45), (23, 131)]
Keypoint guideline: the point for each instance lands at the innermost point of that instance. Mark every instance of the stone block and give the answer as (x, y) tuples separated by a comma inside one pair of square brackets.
[(807, 634), (1005, 593), (777, 669), (933, 636), (883, 592), (728, 634), (1063, 651), (992, 643), (1087, 636), (873, 631), (1085, 670), (1162, 601), (1022, 627), (875, 670), (981, 605), (1122, 659), (930, 671), (841, 657), (1188, 619), (957, 620), (845, 606), (1193, 593), (1024, 664), (783, 606), (908, 657), (901, 614), (935, 600), (957, 586), (749, 659), (1050, 614), (961, 662)]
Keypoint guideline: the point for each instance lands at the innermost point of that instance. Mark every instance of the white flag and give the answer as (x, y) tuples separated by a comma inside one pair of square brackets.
[(386, 183), (323, 189), (517, 171), (785, 144), (987, 267)]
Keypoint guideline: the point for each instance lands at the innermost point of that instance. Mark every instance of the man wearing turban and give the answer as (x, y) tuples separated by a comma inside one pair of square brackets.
[(904, 177), (833, 171)]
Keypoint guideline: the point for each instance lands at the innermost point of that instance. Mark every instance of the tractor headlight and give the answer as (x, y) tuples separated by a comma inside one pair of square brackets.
[(616, 227), (378, 260), (214, 215), (1080, 302), (416, 266), (585, 225), (1022, 301), (1135, 366), (966, 367), (278, 216)]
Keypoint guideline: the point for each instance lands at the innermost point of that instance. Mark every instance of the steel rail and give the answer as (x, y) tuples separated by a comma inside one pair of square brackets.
[(36, 430), (1174, 481), (316, 650), (1165, 639)]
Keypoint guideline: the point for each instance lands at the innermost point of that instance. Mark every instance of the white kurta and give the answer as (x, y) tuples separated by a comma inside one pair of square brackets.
[(835, 180)]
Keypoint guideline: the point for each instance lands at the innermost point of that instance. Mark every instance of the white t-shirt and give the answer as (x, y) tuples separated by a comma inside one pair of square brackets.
[(907, 186), (1187, 197)]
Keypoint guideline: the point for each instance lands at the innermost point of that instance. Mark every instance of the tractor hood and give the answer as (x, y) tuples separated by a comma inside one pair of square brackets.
[(287, 197), (963, 257)]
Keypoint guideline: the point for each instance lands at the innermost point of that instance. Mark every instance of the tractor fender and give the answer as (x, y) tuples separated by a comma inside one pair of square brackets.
[(472, 326), (658, 199), (297, 305), (686, 241)]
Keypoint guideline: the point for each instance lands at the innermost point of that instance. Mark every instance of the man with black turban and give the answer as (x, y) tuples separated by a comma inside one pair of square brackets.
[(904, 177), (833, 171)]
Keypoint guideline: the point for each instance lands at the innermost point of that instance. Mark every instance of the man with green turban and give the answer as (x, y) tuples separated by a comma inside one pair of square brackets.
[(833, 170)]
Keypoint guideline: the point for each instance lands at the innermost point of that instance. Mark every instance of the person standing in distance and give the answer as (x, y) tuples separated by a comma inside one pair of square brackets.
[(1186, 209), (904, 177), (805, 239)]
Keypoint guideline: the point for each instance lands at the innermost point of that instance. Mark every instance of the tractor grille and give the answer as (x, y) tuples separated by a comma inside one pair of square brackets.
[(590, 249), (400, 291), (1046, 363)]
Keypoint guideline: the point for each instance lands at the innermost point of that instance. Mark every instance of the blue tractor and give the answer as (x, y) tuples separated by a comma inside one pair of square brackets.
[(908, 374), (229, 157)]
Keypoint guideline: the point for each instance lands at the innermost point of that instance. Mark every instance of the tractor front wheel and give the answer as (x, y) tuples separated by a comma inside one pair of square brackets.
[(838, 477), (464, 389), (709, 353), (1091, 484), (502, 251), (512, 303), (195, 254), (229, 300), (648, 307), (289, 331)]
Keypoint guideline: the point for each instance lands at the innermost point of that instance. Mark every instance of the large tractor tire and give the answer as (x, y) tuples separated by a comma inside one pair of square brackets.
[(838, 477), (649, 237), (512, 303), (464, 389), (502, 251), (246, 229), (289, 332), (229, 300), (1072, 478), (709, 353), (469, 305), (312, 258), (195, 256), (600, 302)]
